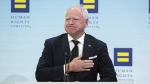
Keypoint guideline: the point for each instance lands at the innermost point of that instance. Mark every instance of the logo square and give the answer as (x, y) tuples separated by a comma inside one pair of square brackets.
[(122, 56)]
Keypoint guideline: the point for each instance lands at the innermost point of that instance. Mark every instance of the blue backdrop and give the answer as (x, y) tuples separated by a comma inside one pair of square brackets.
[(122, 24)]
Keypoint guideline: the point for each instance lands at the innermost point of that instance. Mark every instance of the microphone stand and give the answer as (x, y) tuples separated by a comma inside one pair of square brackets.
[(66, 76)]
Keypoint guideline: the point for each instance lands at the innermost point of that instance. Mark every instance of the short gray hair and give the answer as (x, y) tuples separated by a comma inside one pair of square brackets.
[(84, 11)]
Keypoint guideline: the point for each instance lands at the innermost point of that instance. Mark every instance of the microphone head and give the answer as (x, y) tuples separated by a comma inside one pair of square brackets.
[(66, 53)]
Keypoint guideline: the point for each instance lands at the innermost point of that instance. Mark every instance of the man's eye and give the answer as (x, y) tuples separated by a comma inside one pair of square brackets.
[(67, 19), (76, 19)]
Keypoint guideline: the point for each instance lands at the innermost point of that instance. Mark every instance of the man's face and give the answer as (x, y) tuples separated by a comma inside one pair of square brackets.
[(75, 22)]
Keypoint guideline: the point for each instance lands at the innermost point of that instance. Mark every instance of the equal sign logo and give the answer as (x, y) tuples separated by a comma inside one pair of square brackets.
[(91, 5), (123, 56), (21, 6)]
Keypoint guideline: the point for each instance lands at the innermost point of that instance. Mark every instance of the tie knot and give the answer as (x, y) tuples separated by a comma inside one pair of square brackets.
[(75, 42)]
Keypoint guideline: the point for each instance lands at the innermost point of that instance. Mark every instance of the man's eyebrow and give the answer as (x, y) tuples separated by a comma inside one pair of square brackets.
[(76, 17), (66, 17)]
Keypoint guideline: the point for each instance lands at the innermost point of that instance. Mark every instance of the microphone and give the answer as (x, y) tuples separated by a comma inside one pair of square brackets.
[(66, 76), (70, 55)]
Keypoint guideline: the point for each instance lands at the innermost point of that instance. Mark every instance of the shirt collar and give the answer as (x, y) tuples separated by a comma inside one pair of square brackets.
[(81, 39)]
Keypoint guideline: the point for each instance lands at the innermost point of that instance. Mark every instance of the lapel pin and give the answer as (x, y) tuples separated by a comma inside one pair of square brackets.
[(89, 45)]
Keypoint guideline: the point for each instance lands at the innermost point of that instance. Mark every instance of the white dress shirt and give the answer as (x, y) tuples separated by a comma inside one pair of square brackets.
[(80, 44)]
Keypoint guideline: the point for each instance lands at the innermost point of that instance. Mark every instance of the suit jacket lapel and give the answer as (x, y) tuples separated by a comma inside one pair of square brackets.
[(87, 48), (65, 44)]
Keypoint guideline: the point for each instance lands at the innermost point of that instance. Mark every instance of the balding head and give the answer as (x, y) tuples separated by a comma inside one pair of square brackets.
[(80, 9)]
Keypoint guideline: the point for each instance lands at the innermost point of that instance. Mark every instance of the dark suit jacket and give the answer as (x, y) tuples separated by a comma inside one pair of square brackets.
[(50, 65)]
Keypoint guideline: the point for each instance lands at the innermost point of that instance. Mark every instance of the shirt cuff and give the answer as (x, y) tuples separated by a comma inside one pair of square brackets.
[(64, 69)]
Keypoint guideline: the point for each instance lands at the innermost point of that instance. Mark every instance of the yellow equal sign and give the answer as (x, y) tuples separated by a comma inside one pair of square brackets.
[(122, 59), (124, 54), (88, 1), (89, 6), (20, 4), (20, 1)]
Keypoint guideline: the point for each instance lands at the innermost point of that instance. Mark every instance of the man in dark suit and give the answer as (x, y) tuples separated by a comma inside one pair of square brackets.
[(75, 54)]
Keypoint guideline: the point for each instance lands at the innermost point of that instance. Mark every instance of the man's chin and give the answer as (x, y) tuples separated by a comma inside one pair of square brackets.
[(72, 33)]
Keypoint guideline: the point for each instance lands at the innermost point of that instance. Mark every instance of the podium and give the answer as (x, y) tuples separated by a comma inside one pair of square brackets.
[(66, 82)]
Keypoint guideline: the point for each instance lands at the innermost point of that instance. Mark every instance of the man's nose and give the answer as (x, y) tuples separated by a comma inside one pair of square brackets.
[(71, 21)]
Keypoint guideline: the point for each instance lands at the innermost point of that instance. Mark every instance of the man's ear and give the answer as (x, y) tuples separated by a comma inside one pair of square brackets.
[(87, 22)]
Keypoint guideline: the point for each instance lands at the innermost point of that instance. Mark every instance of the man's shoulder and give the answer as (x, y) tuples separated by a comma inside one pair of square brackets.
[(95, 40), (97, 43), (56, 38)]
